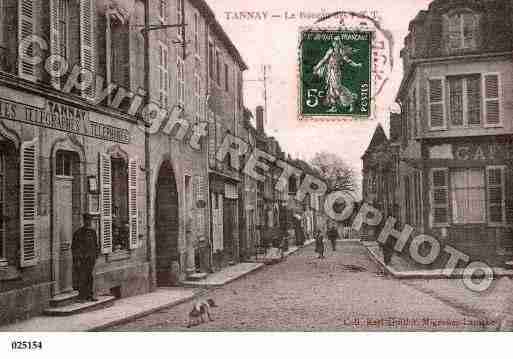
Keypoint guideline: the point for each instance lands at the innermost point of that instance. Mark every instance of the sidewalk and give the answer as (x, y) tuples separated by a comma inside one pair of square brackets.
[(224, 276), (402, 269), (123, 310), (275, 256)]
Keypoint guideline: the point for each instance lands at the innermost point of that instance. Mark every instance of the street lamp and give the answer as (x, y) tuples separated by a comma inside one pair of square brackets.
[(145, 32)]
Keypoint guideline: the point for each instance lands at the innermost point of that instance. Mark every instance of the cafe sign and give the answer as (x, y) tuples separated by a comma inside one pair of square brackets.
[(482, 152), (63, 118)]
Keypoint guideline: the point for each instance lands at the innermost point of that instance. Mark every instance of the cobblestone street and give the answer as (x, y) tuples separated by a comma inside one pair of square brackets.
[(341, 292)]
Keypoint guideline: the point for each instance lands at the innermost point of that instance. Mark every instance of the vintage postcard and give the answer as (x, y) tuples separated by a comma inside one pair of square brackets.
[(229, 166)]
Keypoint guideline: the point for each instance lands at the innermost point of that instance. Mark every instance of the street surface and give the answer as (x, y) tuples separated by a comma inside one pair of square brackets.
[(339, 293)]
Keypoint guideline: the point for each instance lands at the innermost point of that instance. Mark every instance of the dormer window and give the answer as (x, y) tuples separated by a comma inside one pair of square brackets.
[(461, 30)]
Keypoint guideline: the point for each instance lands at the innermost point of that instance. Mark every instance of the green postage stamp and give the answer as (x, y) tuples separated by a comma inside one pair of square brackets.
[(335, 73)]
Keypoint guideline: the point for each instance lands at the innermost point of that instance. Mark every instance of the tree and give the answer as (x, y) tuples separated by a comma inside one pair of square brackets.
[(337, 174)]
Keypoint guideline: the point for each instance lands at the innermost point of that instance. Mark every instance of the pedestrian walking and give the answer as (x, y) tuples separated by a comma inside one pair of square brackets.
[(319, 243), (333, 236), (85, 251)]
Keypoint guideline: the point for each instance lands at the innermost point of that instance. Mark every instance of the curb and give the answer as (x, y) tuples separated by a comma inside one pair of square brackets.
[(144, 313)]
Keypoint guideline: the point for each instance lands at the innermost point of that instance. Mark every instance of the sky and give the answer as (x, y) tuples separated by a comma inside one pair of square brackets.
[(273, 42)]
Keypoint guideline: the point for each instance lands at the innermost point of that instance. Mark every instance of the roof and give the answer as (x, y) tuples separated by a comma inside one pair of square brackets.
[(379, 137), (209, 15)]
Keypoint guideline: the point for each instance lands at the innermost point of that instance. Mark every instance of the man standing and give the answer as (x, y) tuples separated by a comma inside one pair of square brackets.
[(85, 250), (333, 236)]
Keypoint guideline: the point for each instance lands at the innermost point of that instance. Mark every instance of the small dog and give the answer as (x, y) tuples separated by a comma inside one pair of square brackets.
[(199, 310)]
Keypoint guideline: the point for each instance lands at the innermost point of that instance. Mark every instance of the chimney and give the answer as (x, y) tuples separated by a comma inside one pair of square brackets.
[(260, 119)]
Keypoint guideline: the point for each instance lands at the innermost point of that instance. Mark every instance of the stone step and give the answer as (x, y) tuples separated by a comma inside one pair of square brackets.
[(197, 276), (79, 307), (63, 299)]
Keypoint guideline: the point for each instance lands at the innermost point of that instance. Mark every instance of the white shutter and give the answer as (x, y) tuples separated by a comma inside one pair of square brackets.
[(29, 231), (492, 103), (439, 192), (106, 203), (87, 42), (132, 202), (54, 36), (26, 28), (436, 98), (495, 183)]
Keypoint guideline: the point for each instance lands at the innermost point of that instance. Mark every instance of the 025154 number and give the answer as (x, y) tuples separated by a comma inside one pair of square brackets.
[(26, 345)]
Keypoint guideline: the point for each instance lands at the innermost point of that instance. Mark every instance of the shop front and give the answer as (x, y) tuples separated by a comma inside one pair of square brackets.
[(470, 188), (59, 159)]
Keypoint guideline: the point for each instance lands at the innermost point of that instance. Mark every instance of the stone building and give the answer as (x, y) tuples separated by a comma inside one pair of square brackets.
[(456, 100), (67, 150)]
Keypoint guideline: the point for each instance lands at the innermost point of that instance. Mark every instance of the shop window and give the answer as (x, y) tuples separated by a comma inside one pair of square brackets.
[(468, 195), (120, 217)]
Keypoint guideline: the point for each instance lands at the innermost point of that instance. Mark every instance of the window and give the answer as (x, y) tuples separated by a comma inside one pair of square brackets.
[(239, 90), (120, 219), (439, 197), (63, 163), (63, 27), (162, 10), (2, 205), (119, 61), (292, 185), (163, 76), (464, 100), (218, 68), (462, 31), (196, 33), (211, 60), (181, 80), (180, 17), (468, 195), (496, 198), (226, 78)]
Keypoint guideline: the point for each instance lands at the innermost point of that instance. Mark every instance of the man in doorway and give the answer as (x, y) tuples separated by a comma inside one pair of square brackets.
[(85, 251)]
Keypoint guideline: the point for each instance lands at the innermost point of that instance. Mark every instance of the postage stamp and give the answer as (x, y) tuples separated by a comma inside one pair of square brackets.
[(335, 73)]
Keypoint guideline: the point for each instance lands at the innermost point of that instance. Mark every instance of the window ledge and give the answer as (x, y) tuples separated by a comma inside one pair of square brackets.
[(118, 255), (8, 272)]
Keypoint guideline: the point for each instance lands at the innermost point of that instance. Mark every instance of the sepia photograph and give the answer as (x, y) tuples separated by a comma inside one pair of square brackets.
[(228, 167)]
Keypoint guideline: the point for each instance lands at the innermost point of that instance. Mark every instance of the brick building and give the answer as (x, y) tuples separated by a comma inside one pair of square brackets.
[(456, 99)]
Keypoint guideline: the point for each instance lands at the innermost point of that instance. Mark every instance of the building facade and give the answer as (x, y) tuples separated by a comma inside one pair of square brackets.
[(456, 101), (65, 151)]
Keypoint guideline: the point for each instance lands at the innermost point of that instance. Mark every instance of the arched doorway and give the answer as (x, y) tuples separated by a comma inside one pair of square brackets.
[(166, 227)]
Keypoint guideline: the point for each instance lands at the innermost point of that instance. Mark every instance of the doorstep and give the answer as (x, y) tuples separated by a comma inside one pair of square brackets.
[(102, 301)]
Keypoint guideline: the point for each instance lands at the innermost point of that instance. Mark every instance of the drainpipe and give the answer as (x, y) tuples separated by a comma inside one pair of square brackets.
[(149, 242)]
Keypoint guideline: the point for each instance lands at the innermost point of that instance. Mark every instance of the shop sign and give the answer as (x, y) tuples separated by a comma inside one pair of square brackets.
[(482, 152), (63, 118)]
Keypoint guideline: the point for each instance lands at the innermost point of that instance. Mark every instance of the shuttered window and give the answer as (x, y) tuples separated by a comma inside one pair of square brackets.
[(29, 230), (464, 100), (132, 204), (437, 104), (106, 203), (492, 99), (439, 193), (495, 179), (87, 44), (26, 28)]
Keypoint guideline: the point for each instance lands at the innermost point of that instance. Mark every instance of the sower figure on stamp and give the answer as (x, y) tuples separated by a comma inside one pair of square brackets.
[(331, 69), (85, 251)]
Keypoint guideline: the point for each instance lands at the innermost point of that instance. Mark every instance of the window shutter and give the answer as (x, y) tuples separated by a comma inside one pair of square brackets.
[(491, 90), (132, 202), (87, 43), (474, 100), (28, 205), (199, 195), (106, 203), (437, 104), (439, 197), (54, 36), (496, 199), (26, 28)]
